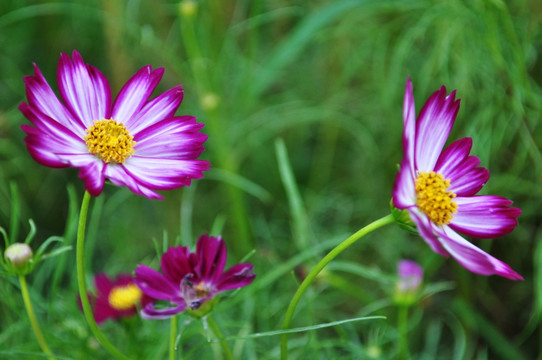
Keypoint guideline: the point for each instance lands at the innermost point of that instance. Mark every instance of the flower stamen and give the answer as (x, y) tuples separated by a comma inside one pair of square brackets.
[(434, 198), (110, 141), (125, 297)]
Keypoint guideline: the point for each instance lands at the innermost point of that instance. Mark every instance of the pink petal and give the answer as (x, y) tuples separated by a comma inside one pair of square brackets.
[(404, 192), (212, 257), (150, 312), (473, 258), (42, 98), (434, 124), (237, 276), (161, 107), (425, 229), (173, 138), (175, 264), (102, 284), (164, 174), (453, 156), (84, 89), (119, 176), (484, 216), (135, 93), (92, 175), (409, 120), (155, 285)]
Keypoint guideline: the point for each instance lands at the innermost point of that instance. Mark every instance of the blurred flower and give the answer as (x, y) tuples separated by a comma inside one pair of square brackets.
[(190, 281), (116, 298), (188, 8), (410, 275), (133, 141), (438, 188)]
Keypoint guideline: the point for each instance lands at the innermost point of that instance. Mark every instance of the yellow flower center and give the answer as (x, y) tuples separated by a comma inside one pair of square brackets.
[(110, 141), (124, 297), (434, 198)]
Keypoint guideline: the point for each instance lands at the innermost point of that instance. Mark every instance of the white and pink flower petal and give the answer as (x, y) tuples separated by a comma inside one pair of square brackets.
[(484, 216), (135, 93), (409, 120), (84, 88), (433, 126), (404, 192), (42, 98), (173, 138), (119, 176), (164, 174), (426, 230), (161, 107), (474, 259)]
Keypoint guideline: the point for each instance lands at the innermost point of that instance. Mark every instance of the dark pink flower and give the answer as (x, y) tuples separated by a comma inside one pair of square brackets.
[(117, 298), (133, 141), (437, 187), (189, 280)]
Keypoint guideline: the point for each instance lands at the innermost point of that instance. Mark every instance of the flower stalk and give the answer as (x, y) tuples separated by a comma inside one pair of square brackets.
[(218, 334), (388, 219), (87, 309), (32, 317)]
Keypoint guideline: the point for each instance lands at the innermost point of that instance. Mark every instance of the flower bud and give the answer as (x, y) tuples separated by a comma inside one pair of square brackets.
[(18, 254), (410, 279)]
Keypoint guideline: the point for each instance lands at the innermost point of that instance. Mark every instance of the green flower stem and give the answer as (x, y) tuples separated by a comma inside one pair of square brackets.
[(402, 322), (87, 310), (319, 267), (172, 337), (223, 343), (32, 317)]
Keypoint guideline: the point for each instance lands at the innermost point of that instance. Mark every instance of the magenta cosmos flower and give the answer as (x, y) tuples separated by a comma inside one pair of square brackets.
[(189, 280), (410, 276), (117, 298), (438, 187), (133, 142)]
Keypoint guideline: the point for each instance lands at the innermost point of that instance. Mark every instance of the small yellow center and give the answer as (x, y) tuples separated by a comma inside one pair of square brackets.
[(434, 198), (110, 140), (124, 297)]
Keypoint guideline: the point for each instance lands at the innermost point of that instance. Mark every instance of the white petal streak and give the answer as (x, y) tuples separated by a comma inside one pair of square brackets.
[(433, 127)]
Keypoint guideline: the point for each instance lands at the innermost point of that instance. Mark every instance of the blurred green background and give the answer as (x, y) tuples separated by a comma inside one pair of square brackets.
[(302, 102)]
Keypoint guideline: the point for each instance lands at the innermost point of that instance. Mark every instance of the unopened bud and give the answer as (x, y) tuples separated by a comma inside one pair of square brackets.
[(410, 280), (18, 254)]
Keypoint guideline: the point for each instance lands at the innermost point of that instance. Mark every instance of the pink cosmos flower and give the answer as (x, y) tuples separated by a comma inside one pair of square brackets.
[(437, 187), (116, 298), (410, 276), (133, 141), (190, 280)]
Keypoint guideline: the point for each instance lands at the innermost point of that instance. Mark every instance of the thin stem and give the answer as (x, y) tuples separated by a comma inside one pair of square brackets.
[(316, 270), (402, 322), (87, 309), (32, 317), (223, 343), (172, 337)]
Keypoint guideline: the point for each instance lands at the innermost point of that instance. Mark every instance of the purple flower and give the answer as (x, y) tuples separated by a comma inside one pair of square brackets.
[(189, 280), (410, 276), (133, 141), (116, 298), (437, 187)]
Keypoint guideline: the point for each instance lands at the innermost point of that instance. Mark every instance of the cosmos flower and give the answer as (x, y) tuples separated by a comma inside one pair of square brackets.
[(116, 298), (190, 281), (133, 141), (437, 187), (410, 276)]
